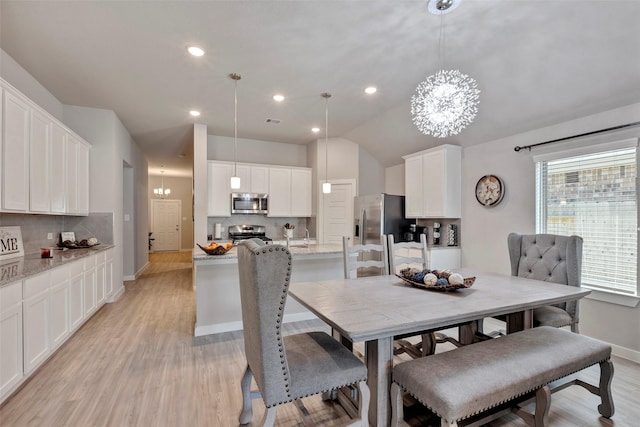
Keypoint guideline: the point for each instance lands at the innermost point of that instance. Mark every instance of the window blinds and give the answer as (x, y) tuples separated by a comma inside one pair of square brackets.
[(594, 196)]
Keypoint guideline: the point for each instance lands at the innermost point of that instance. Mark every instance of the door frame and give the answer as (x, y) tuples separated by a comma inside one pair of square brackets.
[(153, 225), (320, 217)]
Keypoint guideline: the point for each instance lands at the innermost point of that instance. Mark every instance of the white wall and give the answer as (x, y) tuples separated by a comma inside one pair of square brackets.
[(484, 231), (371, 174), (200, 183), (20, 78), (256, 151), (394, 179)]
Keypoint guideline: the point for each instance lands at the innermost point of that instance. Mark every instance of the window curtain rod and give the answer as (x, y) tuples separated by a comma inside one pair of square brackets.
[(529, 147)]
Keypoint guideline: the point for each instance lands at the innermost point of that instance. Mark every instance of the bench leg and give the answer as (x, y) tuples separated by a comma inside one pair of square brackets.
[(397, 406), (606, 409), (543, 403)]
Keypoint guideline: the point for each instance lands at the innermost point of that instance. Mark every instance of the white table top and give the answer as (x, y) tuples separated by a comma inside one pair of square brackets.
[(371, 308)]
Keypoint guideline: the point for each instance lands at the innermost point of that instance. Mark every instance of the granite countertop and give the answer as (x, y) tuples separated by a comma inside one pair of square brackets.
[(29, 265), (298, 250)]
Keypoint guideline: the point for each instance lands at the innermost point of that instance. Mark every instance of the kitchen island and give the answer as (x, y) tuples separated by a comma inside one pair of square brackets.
[(215, 279)]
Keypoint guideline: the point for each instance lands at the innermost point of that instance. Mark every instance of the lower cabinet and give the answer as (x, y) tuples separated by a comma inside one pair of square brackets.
[(38, 314), (11, 372)]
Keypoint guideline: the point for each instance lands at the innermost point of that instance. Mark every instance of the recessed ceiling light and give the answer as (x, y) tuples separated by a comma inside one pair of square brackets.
[(195, 50), (194, 113), (315, 130), (370, 90), (278, 98)]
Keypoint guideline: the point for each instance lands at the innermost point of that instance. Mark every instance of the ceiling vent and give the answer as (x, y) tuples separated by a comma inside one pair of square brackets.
[(274, 121)]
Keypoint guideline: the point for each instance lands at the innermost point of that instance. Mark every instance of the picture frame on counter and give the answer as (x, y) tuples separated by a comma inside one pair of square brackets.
[(10, 243)]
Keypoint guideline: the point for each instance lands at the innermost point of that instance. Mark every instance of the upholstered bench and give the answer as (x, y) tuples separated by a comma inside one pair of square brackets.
[(471, 380)]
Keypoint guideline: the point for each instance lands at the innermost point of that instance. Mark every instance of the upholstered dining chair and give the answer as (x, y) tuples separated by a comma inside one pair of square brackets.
[(379, 263), (286, 367), (552, 258)]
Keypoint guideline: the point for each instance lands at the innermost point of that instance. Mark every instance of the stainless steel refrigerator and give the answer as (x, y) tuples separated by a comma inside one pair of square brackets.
[(379, 214)]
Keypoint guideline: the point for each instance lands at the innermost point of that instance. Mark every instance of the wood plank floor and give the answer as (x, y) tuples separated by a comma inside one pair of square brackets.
[(136, 363)]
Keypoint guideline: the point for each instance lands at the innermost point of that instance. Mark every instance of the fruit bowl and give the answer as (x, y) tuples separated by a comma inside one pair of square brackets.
[(442, 284), (215, 249)]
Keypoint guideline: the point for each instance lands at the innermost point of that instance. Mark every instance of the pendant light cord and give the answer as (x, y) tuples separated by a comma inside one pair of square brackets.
[(235, 127), (326, 139)]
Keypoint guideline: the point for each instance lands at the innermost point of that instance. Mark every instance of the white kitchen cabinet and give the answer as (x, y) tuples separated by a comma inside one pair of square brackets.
[(59, 294), (433, 183), (72, 174), (39, 162), (279, 192), (259, 179), (89, 286), (36, 308), (444, 258), (58, 169), (301, 192), (83, 179), (108, 273), (15, 154), (11, 372), (219, 177), (76, 294), (100, 279)]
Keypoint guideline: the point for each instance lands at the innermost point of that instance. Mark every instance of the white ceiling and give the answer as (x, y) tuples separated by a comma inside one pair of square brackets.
[(536, 62)]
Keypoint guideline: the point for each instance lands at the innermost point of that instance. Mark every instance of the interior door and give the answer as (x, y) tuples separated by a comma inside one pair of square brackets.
[(166, 225), (337, 213)]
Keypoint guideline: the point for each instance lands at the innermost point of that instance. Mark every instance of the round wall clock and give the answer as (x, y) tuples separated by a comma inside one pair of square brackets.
[(489, 190)]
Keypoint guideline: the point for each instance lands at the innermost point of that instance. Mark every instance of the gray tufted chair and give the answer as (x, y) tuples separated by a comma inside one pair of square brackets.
[(286, 368), (551, 258)]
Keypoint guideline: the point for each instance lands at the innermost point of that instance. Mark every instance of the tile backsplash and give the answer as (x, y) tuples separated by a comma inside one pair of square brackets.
[(35, 228), (274, 226)]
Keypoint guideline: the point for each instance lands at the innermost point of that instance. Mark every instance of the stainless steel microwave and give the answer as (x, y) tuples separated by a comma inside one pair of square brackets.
[(249, 203)]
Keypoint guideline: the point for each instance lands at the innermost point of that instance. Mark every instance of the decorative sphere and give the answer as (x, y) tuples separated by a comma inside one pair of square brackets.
[(456, 279), (430, 279), (442, 282), (444, 274), (418, 277)]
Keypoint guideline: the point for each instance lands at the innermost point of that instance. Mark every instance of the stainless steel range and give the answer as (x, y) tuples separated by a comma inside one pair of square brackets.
[(243, 232)]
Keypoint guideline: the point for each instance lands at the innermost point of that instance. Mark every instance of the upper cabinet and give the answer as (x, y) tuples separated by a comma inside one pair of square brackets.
[(44, 167), (219, 188), (253, 179), (433, 183), (289, 192), (15, 154)]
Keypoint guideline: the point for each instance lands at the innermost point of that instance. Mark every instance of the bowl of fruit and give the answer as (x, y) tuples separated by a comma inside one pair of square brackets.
[(214, 248)]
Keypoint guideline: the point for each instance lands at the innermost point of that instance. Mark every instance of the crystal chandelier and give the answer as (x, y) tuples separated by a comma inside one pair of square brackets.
[(447, 101), (235, 179), (162, 192)]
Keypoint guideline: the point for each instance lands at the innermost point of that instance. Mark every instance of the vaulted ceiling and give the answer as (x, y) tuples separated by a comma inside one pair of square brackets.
[(536, 63)]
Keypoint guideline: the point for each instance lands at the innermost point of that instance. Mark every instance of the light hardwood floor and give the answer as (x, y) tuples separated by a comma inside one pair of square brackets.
[(136, 363)]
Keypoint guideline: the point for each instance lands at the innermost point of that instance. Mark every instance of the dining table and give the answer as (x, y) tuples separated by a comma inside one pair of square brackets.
[(374, 310)]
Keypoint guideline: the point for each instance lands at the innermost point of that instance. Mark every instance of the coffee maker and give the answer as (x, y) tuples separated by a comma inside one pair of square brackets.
[(412, 234)]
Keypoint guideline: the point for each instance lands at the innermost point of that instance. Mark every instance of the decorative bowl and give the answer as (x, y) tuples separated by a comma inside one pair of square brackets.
[(467, 283), (218, 250)]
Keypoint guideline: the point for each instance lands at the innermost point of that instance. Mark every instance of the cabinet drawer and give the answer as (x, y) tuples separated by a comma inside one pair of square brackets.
[(35, 285), (10, 295), (100, 257), (76, 268), (89, 262), (59, 275)]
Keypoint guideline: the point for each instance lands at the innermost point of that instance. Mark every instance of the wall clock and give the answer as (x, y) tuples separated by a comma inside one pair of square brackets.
[(489, 190)]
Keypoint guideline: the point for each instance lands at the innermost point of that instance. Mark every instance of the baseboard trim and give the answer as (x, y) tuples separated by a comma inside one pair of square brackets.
[(128, 278), (116, 296), (625, 353)]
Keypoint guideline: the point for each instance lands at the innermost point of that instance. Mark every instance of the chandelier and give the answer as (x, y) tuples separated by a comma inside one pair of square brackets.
[(162, 192), (447, 101)]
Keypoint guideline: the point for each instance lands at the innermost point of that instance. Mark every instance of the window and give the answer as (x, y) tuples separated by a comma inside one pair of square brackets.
[(592, 192)]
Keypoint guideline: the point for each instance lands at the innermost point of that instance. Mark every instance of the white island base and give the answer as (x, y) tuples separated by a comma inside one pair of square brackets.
[(217, 289)]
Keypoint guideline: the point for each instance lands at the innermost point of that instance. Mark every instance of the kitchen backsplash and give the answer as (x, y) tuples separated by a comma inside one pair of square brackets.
[(274, 226), (34, 228)]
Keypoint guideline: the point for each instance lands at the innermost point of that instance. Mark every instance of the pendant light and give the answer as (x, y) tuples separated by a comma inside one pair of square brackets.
[(447, 101), (326, 186), (162, 192), (235, 179)]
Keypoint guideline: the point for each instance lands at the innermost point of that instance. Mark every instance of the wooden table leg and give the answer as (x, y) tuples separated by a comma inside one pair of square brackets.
[(379, 360), (519, 321)]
